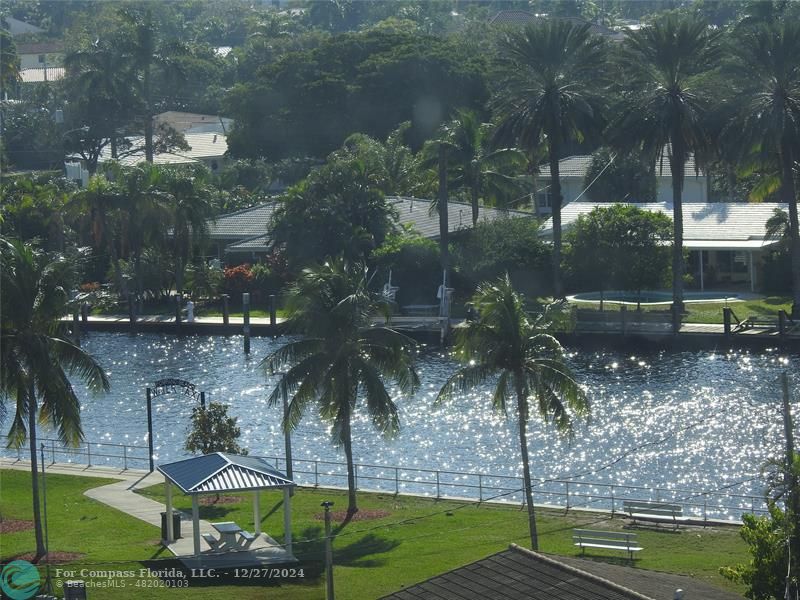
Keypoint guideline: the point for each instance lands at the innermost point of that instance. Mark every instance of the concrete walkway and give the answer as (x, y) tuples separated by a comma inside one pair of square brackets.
[(121, 496)]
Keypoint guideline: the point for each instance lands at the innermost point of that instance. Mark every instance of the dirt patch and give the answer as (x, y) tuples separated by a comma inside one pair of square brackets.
[(213, 500), (54, 558), (14, 525), (337, 516)]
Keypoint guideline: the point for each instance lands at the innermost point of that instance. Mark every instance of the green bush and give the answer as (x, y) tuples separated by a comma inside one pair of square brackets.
[(507, 245), (414, 262)]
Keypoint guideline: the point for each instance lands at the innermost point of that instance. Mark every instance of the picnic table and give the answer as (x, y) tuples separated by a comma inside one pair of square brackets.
[(227, 532)]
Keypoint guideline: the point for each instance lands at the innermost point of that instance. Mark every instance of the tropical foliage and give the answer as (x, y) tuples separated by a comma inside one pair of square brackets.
[(664, 109), (342, 361), (512, 352), (553, 74), (37, 357)]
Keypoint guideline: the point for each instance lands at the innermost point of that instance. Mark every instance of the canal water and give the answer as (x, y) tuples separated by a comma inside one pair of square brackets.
[(699, 420)]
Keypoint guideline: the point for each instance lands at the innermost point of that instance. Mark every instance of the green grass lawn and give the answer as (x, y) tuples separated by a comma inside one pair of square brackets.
[(403, 541), (711, 312)]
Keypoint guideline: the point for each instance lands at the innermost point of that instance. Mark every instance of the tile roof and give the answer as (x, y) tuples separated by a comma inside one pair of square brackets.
[(242, 224), (578, 166), (37, 75), (249, 225), (516, 574), (202, 146), (705, 225), (40, 48), (194, 122), (17, 27), (221, 472)]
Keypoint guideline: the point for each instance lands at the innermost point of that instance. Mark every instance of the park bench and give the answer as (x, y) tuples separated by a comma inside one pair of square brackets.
[(646, 510), (611, 540)]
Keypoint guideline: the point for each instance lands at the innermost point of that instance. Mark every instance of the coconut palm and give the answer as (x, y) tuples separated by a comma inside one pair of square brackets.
[(36, 355), (514, 353), (341, 358), (663, 105), (474, 166), (765, 73), (551, 94)]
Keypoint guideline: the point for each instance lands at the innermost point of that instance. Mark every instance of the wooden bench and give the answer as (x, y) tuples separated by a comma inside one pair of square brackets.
[(211, 540), (647, 510), (611, 540), (247, 536)]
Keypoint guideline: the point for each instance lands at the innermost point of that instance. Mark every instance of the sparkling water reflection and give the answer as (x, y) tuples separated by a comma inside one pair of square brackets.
[(690, 420)]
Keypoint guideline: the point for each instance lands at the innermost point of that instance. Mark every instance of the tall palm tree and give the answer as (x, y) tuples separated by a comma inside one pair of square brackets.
[(551, 94), (36, 354), (145, 50), (664, 105), (765, 74), (476, 167), (515, 354), (341, 359)]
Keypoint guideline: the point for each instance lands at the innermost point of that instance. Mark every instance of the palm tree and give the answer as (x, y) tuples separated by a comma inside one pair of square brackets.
[(102, 201), (36, 355), (472, 164), (144, 50), (513, 352), (765, 73), (551, 93), (190, 210), (341, 359), (665, 106)]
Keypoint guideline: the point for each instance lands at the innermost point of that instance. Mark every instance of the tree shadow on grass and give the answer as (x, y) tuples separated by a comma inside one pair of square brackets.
[(347, 551), (214, 512)]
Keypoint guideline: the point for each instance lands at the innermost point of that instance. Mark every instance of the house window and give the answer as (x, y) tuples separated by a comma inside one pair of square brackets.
[(42, 59), (543, 200)]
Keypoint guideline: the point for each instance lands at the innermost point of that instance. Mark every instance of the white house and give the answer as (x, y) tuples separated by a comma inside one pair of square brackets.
[(204, 148), (726, 240), (573, 171), (39, 55)]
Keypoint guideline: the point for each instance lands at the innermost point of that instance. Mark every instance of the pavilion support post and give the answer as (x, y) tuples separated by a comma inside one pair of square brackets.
[(752, 273), (287, 519), (168, 494), (196, 524), (257, 512)]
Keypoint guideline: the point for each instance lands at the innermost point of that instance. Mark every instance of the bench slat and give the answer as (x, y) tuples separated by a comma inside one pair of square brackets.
[(608, 547)]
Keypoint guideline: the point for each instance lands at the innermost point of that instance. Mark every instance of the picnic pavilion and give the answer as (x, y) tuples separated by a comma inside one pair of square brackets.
[(227, 543)]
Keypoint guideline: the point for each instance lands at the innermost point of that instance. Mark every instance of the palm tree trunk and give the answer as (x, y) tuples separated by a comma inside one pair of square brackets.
[(677, 165), (347, 441), (444, 225), (555, 203), (474, 205), (789, 196), (37, 515), (522, 412)]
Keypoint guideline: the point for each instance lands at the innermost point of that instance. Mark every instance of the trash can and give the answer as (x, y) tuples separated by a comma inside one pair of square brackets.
[(176, 525), (74, 590)]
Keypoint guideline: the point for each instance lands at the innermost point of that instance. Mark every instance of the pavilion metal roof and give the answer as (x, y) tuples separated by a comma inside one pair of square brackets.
[(221, 472)]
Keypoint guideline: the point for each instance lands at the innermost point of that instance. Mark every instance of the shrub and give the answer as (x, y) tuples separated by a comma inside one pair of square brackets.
[(414, 263), (238, 279), (510, 245)]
